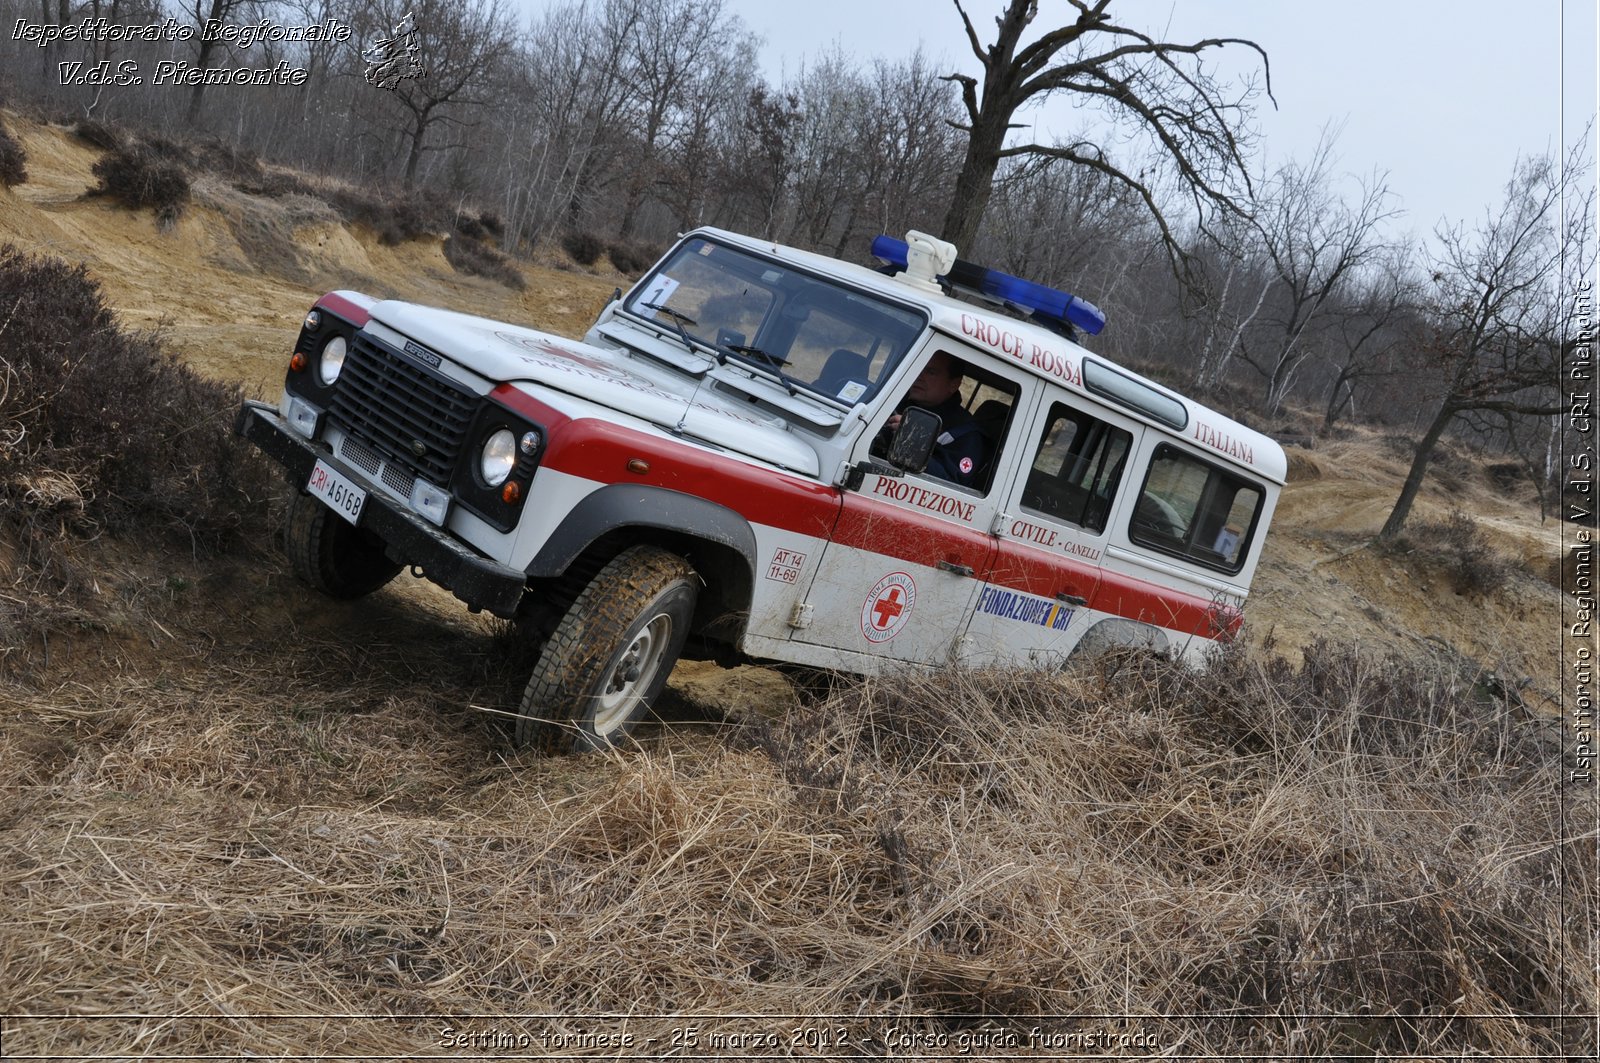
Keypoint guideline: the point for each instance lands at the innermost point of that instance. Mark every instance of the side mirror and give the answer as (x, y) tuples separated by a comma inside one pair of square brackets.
[(913, 441)]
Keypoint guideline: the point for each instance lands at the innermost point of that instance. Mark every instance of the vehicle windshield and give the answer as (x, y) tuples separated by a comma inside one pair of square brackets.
[(772, 317)]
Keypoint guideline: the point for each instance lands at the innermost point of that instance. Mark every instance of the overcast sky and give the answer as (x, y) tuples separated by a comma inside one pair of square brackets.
[(1442, 94)]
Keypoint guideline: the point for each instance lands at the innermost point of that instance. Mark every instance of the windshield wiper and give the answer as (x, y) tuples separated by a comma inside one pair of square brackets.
[(679, 319), (756, 352)]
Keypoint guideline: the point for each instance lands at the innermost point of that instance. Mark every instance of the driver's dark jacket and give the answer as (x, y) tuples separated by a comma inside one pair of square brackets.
[(959, 439)]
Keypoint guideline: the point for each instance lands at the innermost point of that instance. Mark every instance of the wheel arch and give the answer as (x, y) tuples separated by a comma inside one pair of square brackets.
[(716, 540), (1118, 633)]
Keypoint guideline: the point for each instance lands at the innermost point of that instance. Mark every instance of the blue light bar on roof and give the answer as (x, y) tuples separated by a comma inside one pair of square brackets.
[(1049, 305)]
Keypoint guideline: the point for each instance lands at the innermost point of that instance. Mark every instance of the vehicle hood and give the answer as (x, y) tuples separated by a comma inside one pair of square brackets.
[(655, 393)]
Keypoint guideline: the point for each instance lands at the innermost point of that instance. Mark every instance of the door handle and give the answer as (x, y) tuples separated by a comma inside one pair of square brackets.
[(1071, 599), (956, 567)]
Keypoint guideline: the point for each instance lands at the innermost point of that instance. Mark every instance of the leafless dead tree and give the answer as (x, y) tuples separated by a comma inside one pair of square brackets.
[(1157, 90), (1499, 304)]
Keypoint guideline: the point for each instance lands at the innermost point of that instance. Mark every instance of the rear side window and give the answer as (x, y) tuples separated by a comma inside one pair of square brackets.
[(1076, 468), (1196, 510)]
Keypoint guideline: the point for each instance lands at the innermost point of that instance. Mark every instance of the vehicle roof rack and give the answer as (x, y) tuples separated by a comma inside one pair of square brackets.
[(1051, 308)]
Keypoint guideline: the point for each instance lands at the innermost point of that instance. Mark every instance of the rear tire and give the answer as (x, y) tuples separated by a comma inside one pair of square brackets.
[(610, 655), (329, 554)]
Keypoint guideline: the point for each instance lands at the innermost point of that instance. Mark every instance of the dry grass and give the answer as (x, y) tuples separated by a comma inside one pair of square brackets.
[(1355, 856)]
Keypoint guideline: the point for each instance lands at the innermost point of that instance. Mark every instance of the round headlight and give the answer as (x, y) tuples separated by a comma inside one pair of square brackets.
[(332, 360), (498, 457)]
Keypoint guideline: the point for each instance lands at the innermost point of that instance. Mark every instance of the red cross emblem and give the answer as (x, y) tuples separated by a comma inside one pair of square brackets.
[(888, 607)]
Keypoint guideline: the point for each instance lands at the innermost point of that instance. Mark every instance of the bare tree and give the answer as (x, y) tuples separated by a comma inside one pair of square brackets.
[(461, 45), (760, 175), (673, 40), (712, 102), (1498, 319), (1314, 244), (1225, 286), (1373, 326), (1155, 88), (207, 45)]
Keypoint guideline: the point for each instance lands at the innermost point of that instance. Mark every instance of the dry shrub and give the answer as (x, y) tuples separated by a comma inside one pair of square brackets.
[(493, 227), (138, 176), (470, 256), (585, 248), (631, 258), (1251, 842), (1459, 544), (13, 160), (98, 134), (100, 429), (396, 218), (1355, 857)]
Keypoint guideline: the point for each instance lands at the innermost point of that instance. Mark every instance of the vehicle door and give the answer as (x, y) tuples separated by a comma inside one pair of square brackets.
[(899, 577), (1052, 530)]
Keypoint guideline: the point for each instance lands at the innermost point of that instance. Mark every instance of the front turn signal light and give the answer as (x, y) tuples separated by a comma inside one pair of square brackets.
[(510, 493), (298, 363)]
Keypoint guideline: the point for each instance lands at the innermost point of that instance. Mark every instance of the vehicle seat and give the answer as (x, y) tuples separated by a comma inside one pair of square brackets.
[(842, 367), (991, 417)]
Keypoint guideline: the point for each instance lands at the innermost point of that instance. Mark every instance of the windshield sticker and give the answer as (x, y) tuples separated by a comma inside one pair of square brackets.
[(888, 607), (1025, 608), (852, 391), (660, 290)]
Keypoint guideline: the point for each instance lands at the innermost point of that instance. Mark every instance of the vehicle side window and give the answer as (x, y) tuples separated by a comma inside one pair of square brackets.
[(1076, 468), (991, 408), (1195, 510)]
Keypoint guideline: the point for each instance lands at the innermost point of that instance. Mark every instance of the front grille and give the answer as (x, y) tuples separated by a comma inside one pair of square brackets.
[(389, 404)]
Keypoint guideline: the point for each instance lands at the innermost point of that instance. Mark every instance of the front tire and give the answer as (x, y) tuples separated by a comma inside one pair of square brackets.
[(610, 655), (329, 554)]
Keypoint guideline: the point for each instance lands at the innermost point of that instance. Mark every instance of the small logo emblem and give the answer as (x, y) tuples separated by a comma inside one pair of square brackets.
[(966, 466), (422, 354), (391, 60), (888, 607), (419, 448)]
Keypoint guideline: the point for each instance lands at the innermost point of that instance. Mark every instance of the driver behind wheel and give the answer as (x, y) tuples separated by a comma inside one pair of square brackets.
[(960, 450)]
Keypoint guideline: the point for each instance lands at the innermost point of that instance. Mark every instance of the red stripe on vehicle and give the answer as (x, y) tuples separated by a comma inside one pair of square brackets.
[(351, 312), (1021, 567), (515, 399), (600, 451)]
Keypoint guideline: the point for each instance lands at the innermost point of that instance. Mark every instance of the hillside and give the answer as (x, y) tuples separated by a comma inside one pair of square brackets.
[(219, 804)]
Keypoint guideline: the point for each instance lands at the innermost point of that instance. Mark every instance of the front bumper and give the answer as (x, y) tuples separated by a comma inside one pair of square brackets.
[(476, 580)]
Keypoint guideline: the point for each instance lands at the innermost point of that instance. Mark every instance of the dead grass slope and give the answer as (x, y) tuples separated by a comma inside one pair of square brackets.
[(262, 818), (228, 283)]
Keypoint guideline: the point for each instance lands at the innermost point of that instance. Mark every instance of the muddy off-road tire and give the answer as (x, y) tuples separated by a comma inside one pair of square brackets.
[(611, 653), (329, 554)]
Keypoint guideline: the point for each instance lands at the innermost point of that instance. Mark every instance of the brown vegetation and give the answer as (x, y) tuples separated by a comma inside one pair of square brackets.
[(13, 160), (472, 256), (101, 430), (1372, 841), (140, 175)]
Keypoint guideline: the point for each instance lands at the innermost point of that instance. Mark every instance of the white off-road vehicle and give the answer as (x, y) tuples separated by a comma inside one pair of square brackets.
[(725, 468)]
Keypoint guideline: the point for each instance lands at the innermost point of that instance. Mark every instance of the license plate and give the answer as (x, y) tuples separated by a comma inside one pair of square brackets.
[(342, 496)]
